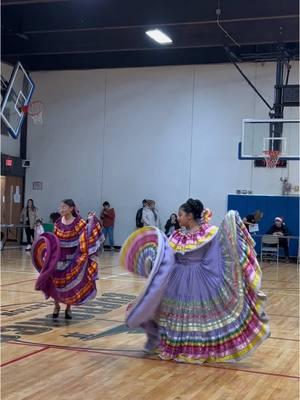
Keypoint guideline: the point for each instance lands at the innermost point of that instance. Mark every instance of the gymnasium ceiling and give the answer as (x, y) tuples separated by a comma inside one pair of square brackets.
[(77, 34)]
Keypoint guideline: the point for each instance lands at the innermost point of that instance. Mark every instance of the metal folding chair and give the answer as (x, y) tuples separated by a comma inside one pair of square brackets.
[(269, 249)]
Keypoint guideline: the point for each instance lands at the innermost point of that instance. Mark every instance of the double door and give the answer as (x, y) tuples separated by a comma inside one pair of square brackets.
[(11, 204)]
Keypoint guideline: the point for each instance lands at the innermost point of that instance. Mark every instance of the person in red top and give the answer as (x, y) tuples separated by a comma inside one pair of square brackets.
[(108, 220)]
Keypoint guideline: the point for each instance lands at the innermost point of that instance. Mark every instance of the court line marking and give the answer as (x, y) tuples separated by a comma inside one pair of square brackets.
[(33, 272), (279, 292), (274, 280), (268, 288), (108, 277), (105, 273), (123, 321), (18, 272), (19, 291), (144, 357), (58, 347), (121, 279), (96, 318), (51, 304), (285, 316), (17, 283), (22, 357), (108, 266), (126, 274), (280, 338), (24, 304)]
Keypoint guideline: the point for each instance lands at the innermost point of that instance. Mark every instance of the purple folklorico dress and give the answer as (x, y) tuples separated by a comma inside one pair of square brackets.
[(202, 300), (63, 259)]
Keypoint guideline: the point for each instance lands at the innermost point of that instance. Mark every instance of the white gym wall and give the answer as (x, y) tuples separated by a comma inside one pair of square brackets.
[(164, 133)]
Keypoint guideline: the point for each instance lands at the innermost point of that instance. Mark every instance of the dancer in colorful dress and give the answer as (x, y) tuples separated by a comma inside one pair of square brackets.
[(67, 272), (201, 302)]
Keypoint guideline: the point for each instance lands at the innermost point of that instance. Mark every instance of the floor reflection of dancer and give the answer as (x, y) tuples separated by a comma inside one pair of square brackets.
[(202, 302), (70, 274)]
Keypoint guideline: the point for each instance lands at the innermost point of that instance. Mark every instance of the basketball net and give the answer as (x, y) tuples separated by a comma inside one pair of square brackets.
[(35, 110), (271, 158)]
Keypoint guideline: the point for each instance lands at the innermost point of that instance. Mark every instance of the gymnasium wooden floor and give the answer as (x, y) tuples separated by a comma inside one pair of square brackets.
[(95, 357)]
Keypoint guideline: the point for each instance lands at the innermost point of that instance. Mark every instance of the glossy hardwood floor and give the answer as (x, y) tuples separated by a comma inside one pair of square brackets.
[(94, 356)]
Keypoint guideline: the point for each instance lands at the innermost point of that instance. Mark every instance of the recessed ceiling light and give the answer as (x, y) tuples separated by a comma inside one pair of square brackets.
[(159, 36)]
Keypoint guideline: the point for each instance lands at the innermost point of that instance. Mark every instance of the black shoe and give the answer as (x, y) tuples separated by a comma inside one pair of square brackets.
[(56, 313), (68, 314)]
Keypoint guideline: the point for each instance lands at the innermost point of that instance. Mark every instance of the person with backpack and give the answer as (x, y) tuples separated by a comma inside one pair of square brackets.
[(150, 215), (139, 215)]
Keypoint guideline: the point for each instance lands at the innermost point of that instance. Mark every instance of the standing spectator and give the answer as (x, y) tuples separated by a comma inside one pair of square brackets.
[(108, 221), (29, 216), (150, 214), (280, 229), (54, 217), (249, 221), (171, 225), (139, 215), (2, 243)]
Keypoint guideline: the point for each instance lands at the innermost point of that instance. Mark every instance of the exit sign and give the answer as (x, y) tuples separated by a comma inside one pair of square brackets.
[(8, 162)]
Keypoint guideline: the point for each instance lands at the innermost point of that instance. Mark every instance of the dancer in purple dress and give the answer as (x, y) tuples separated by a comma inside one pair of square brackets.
[(201, 302), (67, 272)]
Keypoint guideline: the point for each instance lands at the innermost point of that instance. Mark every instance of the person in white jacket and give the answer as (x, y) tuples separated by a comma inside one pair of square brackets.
[(150, 214), (38, 229)]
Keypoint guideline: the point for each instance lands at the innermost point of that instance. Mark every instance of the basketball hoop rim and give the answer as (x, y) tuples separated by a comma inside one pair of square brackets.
[(272, 153), (272, 157), (27, 109)]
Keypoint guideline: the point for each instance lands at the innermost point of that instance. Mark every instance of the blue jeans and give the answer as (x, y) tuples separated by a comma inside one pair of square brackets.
[(109, 232)]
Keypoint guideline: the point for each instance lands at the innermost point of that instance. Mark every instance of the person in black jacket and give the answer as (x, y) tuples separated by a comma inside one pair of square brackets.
[(280, 229), (171, 225), (139, 215), (252, 219), (249, 221)]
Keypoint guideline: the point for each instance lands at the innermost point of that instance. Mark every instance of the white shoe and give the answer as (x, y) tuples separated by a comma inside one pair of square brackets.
[(28, 247)]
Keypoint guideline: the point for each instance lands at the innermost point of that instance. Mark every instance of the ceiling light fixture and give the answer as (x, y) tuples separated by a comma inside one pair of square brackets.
[(159, 36)]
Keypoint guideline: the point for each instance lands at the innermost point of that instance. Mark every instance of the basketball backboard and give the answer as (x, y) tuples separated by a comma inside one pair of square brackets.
[(272, 134), (18, 95)]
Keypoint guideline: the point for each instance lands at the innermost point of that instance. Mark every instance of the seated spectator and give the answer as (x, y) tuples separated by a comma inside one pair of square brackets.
[(171, 225), (280, 229)]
